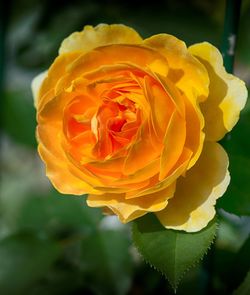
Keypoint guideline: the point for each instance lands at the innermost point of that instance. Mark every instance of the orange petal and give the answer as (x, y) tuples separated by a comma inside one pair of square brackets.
[(142, 152), (60, 176), (174, 140), (161, 106), (194, 128), (119, 55), (156, 185)]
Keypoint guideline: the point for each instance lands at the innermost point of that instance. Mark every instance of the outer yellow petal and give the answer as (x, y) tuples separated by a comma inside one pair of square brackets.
[(227, 93), (190, 76), (186, 72), (36, 85), (101, 35), (192, 206), (55, 73), (131, 209)]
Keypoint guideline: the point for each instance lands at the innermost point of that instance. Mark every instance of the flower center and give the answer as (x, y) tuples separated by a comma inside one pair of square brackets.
[(102, 128), (114, 125)]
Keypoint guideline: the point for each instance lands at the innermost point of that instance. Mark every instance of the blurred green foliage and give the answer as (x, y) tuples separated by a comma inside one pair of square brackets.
[(53, 244)]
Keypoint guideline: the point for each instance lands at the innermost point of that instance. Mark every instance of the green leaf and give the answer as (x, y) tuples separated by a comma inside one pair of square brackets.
[(24, 259), (171, 252), (244, 288), (106, 262)]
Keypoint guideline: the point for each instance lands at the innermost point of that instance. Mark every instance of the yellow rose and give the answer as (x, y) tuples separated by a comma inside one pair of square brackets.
[(133, 123)]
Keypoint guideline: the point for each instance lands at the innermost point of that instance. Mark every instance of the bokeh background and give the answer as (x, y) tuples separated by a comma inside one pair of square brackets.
[(53, 244)]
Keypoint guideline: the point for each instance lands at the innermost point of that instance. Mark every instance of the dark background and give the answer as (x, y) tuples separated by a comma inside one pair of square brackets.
[(52, 244)]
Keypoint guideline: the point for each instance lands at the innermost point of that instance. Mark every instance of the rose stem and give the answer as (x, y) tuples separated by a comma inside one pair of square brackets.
[(229, 38)]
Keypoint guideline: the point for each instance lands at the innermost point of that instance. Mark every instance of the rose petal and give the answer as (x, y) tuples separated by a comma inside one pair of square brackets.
[(140, 58), (155, 186), (60, 166), (54, 75), (36, 85), (128, 210), (192, 75), (161, 106), (59, 174), (67, 69), (174, 140), (142, 152), (143, 174), (101, 35), (227, 93), (194, 128), (192, 206), (194, 118)]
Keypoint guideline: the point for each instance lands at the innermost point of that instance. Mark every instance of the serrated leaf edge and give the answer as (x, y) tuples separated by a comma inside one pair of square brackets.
[(187, 269)]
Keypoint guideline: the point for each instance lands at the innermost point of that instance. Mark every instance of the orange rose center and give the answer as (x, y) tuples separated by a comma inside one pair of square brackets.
[(108, 125)]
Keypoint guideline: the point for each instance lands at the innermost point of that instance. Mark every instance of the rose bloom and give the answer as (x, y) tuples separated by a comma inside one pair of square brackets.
[(134, 124)]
